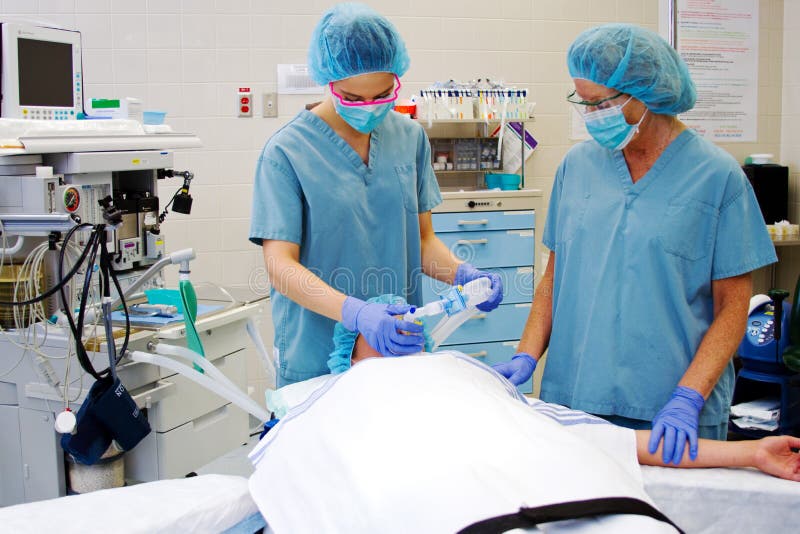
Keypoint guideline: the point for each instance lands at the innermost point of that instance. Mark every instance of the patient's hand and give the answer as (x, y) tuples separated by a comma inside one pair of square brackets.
[(774, 455)]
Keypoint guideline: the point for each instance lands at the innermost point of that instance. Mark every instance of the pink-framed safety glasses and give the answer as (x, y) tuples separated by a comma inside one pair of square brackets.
[(359, 103)]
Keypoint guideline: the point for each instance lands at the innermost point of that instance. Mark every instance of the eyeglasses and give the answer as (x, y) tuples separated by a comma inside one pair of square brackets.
[(583, 105), (355, 103)]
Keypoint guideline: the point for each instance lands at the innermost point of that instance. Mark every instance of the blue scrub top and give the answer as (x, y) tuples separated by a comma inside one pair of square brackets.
[(634, 264), (357, 225)]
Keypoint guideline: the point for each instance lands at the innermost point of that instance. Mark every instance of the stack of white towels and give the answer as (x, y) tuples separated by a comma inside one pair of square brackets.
[(759, 414)]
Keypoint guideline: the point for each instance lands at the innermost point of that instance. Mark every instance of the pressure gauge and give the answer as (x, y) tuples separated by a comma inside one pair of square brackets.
[(72, 199)]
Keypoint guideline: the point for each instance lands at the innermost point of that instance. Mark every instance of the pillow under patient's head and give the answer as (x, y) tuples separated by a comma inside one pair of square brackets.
[(344, 340)]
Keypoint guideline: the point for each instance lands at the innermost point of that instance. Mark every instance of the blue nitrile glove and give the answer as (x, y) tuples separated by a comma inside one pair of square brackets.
[(382, 330), (468, 273), (519, 369), (676, 422)]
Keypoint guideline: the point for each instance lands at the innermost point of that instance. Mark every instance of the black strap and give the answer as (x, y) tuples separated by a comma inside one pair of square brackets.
[(531, 517)]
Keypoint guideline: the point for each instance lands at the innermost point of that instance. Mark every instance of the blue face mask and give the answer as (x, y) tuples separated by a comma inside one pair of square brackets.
[(363, 118), (609, 127)]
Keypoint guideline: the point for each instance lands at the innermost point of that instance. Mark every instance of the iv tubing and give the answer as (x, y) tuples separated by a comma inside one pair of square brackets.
[(236, 397)]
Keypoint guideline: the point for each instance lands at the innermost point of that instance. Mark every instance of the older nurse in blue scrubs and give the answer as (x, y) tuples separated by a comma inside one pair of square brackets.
[(342, 203), (653, 233)]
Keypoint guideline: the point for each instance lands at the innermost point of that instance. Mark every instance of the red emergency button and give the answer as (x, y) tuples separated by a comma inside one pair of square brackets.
[(245, 109), (245, 100)]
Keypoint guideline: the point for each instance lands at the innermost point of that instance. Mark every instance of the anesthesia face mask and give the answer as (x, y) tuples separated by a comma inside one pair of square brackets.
[(459, 304)]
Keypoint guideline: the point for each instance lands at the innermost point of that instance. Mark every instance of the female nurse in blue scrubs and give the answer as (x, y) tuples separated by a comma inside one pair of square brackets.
[(653, 233), (342, 203)]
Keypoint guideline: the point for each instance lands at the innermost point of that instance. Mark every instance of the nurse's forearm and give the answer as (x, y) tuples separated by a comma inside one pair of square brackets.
[(536, 335), (731, 300), (290, 278), (437, 260)]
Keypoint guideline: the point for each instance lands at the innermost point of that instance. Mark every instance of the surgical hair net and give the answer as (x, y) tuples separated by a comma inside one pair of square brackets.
[(344, 340), (635, 61), (352, 39)]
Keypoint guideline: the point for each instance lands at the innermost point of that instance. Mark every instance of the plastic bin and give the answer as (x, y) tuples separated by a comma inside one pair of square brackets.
[(504, 181)]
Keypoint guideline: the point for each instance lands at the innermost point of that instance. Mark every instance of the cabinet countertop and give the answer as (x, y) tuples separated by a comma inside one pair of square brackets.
[(494, 193)]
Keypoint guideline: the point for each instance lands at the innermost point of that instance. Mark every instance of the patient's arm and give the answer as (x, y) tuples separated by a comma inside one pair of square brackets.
[(772, 455)]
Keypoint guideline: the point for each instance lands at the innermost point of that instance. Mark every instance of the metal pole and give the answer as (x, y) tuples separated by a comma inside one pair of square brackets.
[(673, 23)]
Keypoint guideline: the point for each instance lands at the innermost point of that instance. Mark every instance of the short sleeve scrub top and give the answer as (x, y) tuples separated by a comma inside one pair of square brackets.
[(634, 264), (357, 225)]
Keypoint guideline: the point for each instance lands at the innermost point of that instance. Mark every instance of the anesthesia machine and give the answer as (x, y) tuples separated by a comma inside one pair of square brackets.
[(84, 342)]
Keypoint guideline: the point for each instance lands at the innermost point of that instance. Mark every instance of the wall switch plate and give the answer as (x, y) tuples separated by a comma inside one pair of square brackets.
[(270, 104), (244, 102)]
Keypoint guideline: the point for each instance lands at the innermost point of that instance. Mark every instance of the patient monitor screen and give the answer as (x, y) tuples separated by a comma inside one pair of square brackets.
[(45, 73)]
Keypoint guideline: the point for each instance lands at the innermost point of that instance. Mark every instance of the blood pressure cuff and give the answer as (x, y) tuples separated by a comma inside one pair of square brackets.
[(109, 412)]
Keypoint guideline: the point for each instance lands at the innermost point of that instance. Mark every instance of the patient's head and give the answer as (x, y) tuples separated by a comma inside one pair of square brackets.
[(350, 347), (363, 350)]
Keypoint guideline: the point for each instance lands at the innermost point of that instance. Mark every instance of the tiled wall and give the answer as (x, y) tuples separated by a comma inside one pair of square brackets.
[(787, 273), (790, 126), (188, 57)]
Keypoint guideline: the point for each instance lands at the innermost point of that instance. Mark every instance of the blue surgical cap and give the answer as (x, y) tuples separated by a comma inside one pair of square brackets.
[(352, 39), (344, 340), (635, 61)]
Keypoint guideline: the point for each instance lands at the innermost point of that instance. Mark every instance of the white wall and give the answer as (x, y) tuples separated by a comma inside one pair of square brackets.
[(189, 57)]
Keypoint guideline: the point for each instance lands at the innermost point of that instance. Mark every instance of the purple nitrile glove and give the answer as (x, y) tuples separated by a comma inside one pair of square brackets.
[(468, 273), (519, 369), (379, 326), (676, 422)]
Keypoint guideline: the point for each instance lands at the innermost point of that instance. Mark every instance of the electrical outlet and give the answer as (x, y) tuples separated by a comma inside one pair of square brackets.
[(244, 102), (270, 104)]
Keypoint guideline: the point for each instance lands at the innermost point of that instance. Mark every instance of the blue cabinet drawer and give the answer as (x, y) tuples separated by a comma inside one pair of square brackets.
[(488, 353), (517, 285), (504, 323), (476, 221), (498, 248), (493, 353)]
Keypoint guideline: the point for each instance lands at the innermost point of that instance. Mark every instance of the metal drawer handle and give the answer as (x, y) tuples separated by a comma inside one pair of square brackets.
[(478, 316), (478, 354), (146, 399), (478, 222), (472, 241)]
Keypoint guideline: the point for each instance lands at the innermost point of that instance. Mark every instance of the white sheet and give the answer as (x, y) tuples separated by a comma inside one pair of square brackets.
[(699, 500), (202, 504), (433, 443), (723, 501)]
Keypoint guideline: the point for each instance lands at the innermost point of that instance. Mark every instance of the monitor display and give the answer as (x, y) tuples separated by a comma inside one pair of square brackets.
[(45, 73)]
